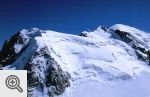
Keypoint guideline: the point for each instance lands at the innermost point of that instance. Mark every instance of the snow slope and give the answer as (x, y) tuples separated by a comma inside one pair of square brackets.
[(99, 65)]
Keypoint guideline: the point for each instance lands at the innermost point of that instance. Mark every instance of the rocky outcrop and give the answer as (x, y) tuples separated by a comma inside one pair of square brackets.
[(142, 52), (45, 72), (8, 54)]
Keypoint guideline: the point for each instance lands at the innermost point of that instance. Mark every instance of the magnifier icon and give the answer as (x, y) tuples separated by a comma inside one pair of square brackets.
[(13, 82)]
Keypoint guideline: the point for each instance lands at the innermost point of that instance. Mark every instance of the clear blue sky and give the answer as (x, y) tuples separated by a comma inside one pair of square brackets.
[(71, 16)]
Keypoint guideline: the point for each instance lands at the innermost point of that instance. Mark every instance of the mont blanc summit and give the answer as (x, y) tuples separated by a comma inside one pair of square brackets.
[(106, 62)]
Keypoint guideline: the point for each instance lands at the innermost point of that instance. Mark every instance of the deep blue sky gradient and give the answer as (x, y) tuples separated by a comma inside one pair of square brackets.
[(71, 16)]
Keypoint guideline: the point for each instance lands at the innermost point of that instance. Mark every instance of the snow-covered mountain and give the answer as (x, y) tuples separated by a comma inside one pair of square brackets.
[(107, 62)]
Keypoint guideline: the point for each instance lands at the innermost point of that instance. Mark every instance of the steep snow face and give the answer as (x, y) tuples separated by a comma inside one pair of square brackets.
[(137, 39), (94, 64), (141, 37)]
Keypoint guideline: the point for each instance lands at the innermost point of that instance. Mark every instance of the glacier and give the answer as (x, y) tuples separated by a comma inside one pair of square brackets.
[(106, 62)]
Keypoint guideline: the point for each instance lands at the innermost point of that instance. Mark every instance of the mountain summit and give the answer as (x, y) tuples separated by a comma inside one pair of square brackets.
[(107, 62)]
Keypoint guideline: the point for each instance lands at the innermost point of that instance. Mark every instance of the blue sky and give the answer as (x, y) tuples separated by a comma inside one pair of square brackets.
[(71, 16)]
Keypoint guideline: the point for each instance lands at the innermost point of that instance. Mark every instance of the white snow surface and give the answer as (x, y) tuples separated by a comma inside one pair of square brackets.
[(141, 37), (99, 65)]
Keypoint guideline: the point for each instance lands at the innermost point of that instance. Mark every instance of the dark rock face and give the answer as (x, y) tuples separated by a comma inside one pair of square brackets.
[(129, 39), (104, 28), (8, 54), (83, 34), (57, 80), (124, 36), (148, 56), (44, 71)]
